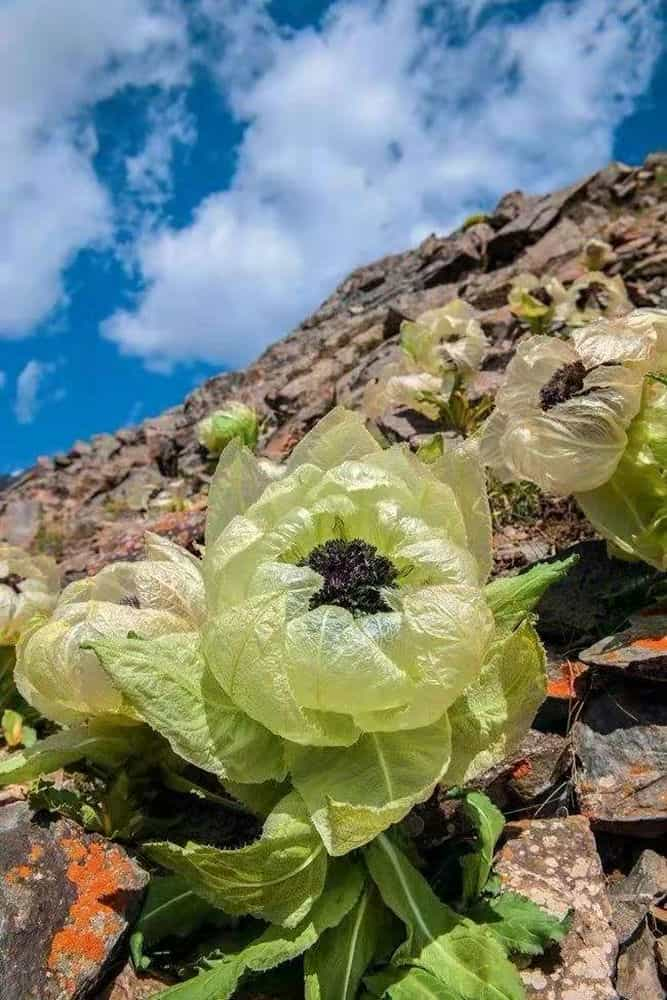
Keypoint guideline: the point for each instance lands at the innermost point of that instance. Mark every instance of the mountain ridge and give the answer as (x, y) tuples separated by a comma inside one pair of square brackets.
[(92, 504)]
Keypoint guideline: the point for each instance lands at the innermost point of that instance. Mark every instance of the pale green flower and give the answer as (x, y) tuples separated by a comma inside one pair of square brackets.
[(236, 420), (595, 296), (439, 351), (445, 337), (347, 632), (161, 595), (538, 301), (29, 587), (583, 416)]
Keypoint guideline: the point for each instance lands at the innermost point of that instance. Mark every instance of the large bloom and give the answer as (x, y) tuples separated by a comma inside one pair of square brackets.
[(29, 586), (161, 595), (584, 415), (350, 643)]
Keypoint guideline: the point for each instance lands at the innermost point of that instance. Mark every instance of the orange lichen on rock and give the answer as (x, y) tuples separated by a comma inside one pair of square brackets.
[(36, 852), (563, 687), (18, 873), (522, 769), (98, 872), (658, 645)]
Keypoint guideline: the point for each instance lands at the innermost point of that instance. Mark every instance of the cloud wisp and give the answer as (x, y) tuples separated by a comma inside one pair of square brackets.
[(29, 386), (367, 134)]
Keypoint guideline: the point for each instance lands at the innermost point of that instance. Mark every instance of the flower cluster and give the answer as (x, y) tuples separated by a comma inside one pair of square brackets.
[(541, 302), (586, 416)]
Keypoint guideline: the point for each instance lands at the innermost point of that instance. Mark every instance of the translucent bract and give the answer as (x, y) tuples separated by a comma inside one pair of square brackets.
[(160, 595), (29, 587)]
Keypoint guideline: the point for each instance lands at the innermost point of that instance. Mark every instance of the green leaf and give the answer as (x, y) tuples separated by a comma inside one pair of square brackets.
[(7, 689), (167, 682), (108, 746), (497, 709), (511, 598), (411, 983), (519, 924), (171, 909), (277, 945), (65, 802), (278, 877), (468, 961), (348, 948), (354, 793), (489, 823)]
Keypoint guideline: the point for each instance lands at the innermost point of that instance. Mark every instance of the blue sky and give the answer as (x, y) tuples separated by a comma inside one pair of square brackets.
[(182, 181)]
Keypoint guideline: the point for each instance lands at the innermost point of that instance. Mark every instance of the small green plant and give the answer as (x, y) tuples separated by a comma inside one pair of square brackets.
[(236, 421), (475, 219)]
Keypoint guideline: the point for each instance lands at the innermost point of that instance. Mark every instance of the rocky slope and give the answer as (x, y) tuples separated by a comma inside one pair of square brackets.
[(91, 504), (585, 791)]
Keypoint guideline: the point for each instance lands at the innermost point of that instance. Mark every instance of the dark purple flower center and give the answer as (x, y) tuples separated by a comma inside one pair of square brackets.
[(354, 573), (565, 383)]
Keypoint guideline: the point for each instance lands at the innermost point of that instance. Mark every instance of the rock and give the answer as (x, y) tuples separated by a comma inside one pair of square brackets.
[(554, 862), (66, 899), (638, 651), (661, 955), (20, 522), (529, 774), (619, 740), (637, 975), (129, 986), (576, 611), (532, 221), (632, 897)]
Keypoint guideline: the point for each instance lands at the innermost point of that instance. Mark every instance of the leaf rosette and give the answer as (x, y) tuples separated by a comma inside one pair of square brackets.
[(350, 643)]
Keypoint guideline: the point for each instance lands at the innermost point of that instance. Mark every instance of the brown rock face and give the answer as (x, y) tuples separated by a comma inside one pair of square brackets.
[(90, 505), (66, 900)]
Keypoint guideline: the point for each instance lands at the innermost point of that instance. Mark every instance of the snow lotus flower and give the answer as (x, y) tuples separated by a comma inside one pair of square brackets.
[(595, 296), (237, 420), (586, 416), (161, 595), (350, 642), (442, 348), (537, 301), (29, 586)]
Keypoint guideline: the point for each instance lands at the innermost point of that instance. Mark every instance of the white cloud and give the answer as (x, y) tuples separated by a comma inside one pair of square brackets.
[(28, 386), (57, 59), (365, 136)]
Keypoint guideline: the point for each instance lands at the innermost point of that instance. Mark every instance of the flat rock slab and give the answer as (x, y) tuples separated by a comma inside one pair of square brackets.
[(555, 863), (638, 651), (66, 898), (619, 741)]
